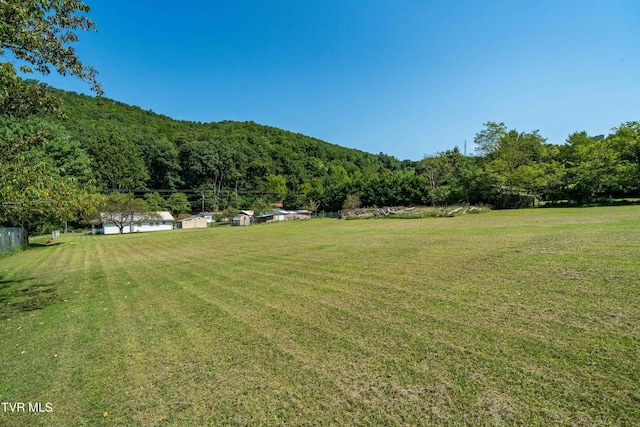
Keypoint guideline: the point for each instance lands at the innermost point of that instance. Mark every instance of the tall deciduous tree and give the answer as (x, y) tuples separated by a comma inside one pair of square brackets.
[(40, 33), (155, 201), (161, 158), (515, 169), (119, 164), (595, 167), (488, 139), (32, 182), (626, 141), (203, 163), (178, 204), (352, 201), (276, 186), (19, 99), (291, 200), (450, 176)]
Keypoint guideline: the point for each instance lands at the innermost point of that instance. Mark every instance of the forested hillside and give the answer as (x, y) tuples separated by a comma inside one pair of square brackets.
[(231, 162), (240, 164), (55, 166), (66, 157)]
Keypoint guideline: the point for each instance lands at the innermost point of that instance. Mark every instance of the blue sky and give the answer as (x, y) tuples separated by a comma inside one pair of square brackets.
[(406, 78)]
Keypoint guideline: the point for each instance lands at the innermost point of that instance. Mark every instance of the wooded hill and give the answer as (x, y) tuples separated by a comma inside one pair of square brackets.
[(53, 168), (245, 164), (233, 163)]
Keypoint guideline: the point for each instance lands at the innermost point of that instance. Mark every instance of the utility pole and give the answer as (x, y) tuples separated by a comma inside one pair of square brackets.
[(465, 148), (202, 202)]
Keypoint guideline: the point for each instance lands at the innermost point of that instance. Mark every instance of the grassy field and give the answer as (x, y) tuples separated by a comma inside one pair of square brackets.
[(526, 317)]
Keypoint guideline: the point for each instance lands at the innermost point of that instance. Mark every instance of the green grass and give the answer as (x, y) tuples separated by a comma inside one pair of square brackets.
[(523, 317)]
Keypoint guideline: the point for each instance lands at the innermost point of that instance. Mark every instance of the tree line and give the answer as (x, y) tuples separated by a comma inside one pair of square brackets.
[(246, 164), (61, 153), (93, 145)]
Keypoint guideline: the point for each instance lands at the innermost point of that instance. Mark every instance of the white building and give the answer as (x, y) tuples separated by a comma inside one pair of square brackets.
[(209, 216), (139, 223)]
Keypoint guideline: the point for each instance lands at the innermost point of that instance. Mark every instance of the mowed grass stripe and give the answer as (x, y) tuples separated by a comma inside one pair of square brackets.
[(137, 362), (403, 302), (497, 319), (294, 339), (48, 339), (263, 273), (230, 276), (169, 298)]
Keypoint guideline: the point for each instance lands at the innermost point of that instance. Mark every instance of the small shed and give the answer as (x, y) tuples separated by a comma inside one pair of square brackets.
[(284, 215), (264, 218), (195, 221), (302, 214), (241, 219), (279, 214)]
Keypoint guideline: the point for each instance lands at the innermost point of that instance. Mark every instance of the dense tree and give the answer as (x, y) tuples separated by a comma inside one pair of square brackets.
[(162, 163), (207, 197), (291, 200), (488, 139), (276, 187), (40, 33), (118, 161), (595, 168), (451, 176), (22, 99), (35, 178), (259, 206), (237, 164), (337, 175), (207, 163), (352, 201), (41, 168), (626, 141), (234, 161), (441, 174), (228, 213), (399, 188), (155, 201), (310, 205), (177, 203), (515, 172)]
